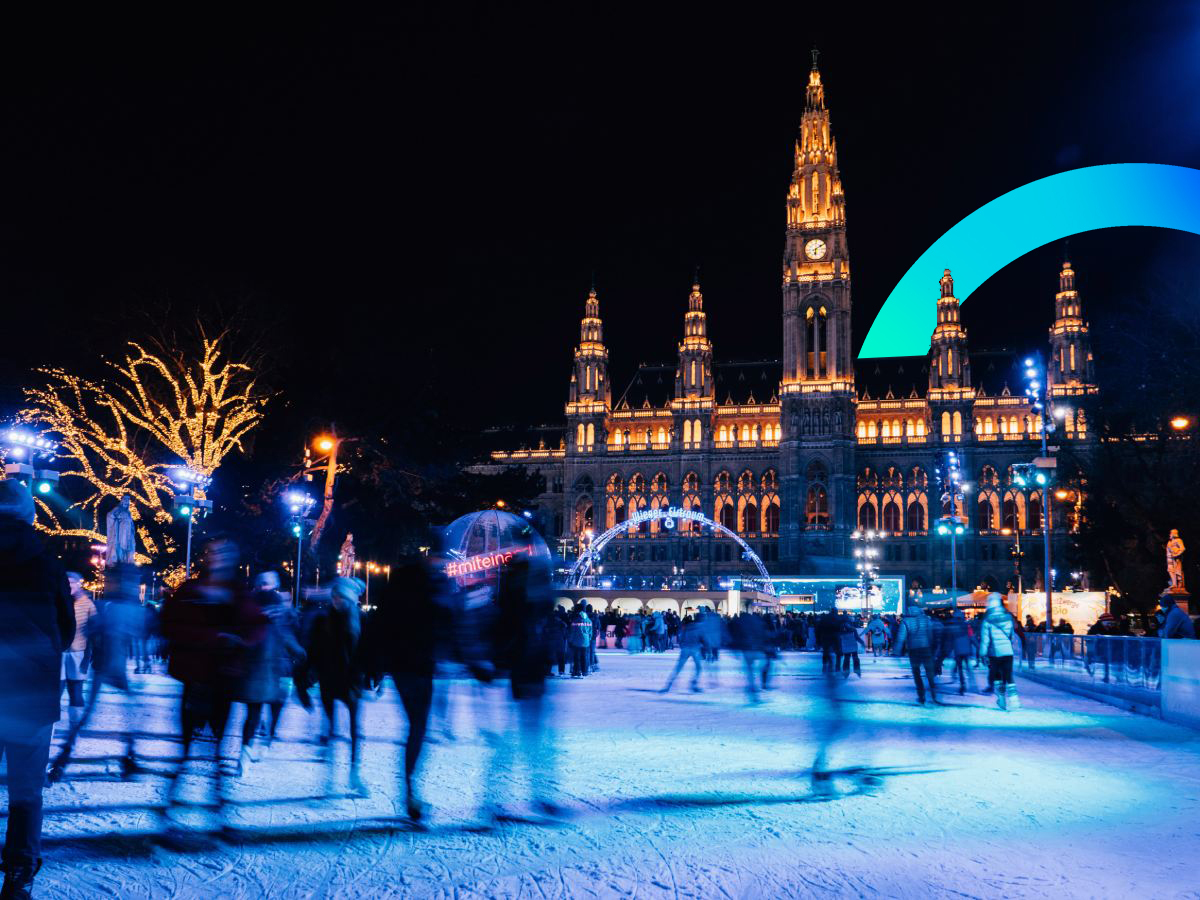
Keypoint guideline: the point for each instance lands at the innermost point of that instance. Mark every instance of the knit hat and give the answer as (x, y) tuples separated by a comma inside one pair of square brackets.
[(15, 501)]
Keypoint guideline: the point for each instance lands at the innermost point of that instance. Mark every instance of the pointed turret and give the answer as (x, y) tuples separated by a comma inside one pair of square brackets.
[(590, 396), (1070, 343), (948, 364), (694, 376)]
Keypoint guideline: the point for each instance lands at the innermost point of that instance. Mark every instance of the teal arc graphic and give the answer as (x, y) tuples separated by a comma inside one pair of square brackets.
[(1024, 219)]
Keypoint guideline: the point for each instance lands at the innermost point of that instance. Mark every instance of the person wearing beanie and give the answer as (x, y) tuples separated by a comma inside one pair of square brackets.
[(1176, 623), (37, 623)]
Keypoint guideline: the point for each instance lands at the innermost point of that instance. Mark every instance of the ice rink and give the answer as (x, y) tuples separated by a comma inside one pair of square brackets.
[(695, 795)]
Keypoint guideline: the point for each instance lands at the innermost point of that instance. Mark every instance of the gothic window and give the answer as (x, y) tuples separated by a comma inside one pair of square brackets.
[(1035, 511), (687, 431), (892, 478), (987, 475), (691, 499), (916, 517), (662, 435), (866, 512), (697, 433), (891, 515), (771, 514), (583, 515), (591, 434), (885, 429), (637, 483), (862, 429), (722, 482), (746, 482), (945, 424), (749, 515), (770, 481), (871, 432), (986, 520), (726, 515), (579, 435), (957, 422), (723, 433), (816, 501), (691, 483), (920, 427)]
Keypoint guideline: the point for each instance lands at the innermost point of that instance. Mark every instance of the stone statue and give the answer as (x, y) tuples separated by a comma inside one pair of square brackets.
[(345, 566), (119, 535), (1175, 551)]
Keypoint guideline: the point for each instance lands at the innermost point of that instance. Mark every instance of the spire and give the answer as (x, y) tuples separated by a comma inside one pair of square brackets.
[(814, 97), (815, 197), (589, 378), (693, 378), (948, 367), (1070, 343)]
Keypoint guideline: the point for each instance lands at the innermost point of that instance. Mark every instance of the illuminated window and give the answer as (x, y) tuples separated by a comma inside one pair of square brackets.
[(862, 428), (1003, 425), (1072, 357), (722, 434), (591, 434), (957, 422), (921, 427), (745, 432), (871, 429), (697, 434), (662, 435), (885, 428), (945, 423), (687, 431), (579, 432)]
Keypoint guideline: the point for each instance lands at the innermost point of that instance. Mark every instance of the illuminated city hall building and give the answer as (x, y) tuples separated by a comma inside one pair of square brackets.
[(796, 455)]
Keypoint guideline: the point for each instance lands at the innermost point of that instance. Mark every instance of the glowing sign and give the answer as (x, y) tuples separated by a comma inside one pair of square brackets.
[(474, 564)]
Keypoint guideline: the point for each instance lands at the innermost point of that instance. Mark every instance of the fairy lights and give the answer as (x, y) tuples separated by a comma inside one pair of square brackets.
[(130, 435)]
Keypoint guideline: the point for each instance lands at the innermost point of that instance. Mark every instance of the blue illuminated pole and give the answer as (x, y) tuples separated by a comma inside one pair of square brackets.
[(1039, 391)]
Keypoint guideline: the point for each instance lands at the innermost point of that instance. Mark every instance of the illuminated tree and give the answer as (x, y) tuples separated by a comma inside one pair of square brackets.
[(121, 436)]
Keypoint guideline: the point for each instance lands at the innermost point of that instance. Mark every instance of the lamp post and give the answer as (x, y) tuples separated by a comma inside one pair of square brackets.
[(953, 525), (299, 505), (1017, 555), (190, 502), (865, 556), (1037, 391)]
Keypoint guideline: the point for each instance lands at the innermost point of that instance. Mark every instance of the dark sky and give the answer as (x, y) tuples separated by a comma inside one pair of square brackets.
[(416, 201)]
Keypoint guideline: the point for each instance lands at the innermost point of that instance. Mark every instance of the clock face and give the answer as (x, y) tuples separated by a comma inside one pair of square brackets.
[(815, 248)]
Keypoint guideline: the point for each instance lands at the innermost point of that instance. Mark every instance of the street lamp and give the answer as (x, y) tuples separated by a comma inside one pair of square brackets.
[(1181, 423), (865, 557), (1017, 555), (953, 525), (191, 503), (21, 444), (1037, 390), (299, 504)]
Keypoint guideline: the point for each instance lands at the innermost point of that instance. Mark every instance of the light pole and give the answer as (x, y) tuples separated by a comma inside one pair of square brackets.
[(865, 556), (1017, 554), (1037, 391), (190, 502), (299, 505), (953, 525)]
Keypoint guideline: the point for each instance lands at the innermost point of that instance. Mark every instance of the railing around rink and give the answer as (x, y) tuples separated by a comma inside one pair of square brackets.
[(1124, 670)]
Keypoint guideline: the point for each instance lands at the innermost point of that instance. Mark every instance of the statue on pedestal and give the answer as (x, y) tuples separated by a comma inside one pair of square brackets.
[(1175, 551), (345, 566), (119, 535)]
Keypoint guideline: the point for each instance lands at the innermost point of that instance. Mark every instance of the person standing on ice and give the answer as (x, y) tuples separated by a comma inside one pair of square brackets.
[(332, 647), (579, 637), (75, 659), (207, 623), (916, 635), (109, 644), (691, 632), (37, 623), (997, 643)]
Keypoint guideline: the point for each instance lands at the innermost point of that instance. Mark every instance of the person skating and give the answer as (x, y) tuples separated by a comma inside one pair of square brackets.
[(332, 647), (75, 660), (579, 638), (690, 644), (207, 622), (997, 643), (37, 623), (849, 640), (111, 639), (957, 641), (268, 666), (916, 636), (402, 643)]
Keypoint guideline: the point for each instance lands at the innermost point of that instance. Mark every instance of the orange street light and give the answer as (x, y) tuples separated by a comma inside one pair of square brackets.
[(1181, 423), (1062, 493), (500, 504), (324, 444)]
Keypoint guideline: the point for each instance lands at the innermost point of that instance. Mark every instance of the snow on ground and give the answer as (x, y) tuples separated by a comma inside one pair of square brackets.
[(694, 795)]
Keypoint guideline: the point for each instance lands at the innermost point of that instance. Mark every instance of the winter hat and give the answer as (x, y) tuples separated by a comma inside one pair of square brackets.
[(15, 501), (994, 601)]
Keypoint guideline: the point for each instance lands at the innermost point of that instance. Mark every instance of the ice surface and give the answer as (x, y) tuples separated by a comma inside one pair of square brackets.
[(695, 795)]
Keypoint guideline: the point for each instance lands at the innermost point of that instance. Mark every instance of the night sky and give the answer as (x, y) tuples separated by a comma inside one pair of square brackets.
[(414, 203)]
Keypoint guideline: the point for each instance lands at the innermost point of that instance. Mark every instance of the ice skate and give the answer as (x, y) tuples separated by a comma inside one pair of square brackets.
[(1001, 697), (1013, 700)]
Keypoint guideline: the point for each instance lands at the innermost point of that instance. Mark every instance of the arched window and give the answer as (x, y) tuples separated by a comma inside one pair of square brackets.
[(862, 428), (872, 429), (771, 518), (662, 435), (957, 422), (591, 434), (916, 517), (697, 432), (985, 513), (866, 514), (745, 433), (1010, 512), (722, 433), (885, 428), (687, 431), (749, 517), (1035, 511), (891, 516), (727, 516), (816, 501), (945, 424), (920, 427), (579, 435), (746, 481)]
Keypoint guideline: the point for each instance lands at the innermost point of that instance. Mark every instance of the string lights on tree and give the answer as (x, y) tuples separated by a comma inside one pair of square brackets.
[(124, 436)]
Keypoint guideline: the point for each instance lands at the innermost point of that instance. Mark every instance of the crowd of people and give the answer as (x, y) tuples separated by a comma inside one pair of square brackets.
[(228, 643)]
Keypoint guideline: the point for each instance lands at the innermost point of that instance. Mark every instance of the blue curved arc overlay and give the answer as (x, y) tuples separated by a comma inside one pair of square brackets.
[(1024, 219)]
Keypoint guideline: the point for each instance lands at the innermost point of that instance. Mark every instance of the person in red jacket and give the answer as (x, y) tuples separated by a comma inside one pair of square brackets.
[(208, 624)]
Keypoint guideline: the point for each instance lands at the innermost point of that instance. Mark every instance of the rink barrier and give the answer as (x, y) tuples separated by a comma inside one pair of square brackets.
[(1124, 671), (1181, 682)]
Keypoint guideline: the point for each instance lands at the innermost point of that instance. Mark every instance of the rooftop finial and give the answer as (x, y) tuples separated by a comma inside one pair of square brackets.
[(815, 54), (696, 276)]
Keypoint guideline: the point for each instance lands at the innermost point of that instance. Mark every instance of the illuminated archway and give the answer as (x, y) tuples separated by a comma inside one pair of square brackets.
[(667, 520)]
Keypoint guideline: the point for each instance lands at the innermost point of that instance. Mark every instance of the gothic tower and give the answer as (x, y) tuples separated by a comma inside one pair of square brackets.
[(1070, 374), (694, 377), (817, 393), (950, 394), (590, 396)]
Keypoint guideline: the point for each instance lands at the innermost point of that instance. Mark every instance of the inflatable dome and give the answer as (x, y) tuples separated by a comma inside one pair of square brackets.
[(479, 545)]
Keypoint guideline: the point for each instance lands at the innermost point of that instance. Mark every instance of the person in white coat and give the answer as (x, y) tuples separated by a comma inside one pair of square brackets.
[(996, 642)]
